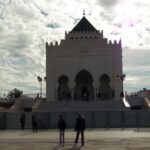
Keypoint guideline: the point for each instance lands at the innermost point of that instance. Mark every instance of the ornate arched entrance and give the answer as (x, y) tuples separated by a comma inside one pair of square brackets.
[(63, 91), (104, 91), (84, 86)]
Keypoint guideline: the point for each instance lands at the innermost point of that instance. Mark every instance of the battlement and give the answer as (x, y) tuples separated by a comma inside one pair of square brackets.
[(52, 44), (114, 43), (85, 36)]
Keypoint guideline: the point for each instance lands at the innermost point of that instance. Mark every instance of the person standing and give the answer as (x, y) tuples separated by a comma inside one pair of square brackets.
[(34, 124), (79, 128), (61, 126), (22, 120)]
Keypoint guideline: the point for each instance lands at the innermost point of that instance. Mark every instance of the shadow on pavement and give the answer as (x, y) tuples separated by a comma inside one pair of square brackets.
[(75, 147), (59, 147), (26, 133), (56, 148)]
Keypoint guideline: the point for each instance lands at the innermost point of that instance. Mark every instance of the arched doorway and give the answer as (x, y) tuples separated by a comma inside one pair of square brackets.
[(104, 91), (84, 86), (63, 91)]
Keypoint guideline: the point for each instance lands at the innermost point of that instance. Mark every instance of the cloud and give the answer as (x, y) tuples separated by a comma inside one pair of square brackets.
[(44, 13), (136, 57), (137, 69), (26, 25), (21, 48), (53, 25), (107, 3), (107, 15)]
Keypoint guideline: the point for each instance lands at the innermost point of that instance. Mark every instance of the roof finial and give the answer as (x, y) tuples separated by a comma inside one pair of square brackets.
[(83, 12)]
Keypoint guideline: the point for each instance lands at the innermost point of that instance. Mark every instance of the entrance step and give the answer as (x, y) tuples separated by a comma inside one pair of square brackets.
[(82, 106)]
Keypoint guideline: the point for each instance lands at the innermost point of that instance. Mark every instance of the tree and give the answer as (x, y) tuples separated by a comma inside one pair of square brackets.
[(40, 80), (15, 93)]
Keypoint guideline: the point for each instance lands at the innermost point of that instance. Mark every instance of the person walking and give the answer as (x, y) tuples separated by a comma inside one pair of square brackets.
[(61, 126), (79, 128), (22, 120), (34, 124)]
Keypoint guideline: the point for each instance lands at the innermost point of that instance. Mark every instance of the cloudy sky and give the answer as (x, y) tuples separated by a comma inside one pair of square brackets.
[(25, 26)]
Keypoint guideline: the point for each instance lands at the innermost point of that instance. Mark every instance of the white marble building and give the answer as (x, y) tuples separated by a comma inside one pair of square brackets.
[(84, 66)]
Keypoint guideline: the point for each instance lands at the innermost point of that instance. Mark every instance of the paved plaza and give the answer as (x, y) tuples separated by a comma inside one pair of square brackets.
[(95, 139)]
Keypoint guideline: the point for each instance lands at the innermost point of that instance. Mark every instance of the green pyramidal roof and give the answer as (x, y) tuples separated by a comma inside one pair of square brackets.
[(83, 25)]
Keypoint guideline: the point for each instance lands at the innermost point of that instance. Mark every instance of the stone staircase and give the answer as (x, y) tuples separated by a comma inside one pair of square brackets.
[(36, 105), (146, 102), (135, 102), (81, 106), (23, 104), (13, 116), (13, 121), (17, 106)]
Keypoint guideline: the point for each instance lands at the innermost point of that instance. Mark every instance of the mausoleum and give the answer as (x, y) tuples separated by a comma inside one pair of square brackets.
[(84, 66)]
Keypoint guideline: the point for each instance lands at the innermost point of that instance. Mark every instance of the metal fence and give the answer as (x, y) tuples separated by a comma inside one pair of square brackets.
[(94, 119)]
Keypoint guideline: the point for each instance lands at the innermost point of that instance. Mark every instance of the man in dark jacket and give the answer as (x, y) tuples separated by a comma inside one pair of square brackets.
[(62, 126), (79, 128), (34, 123), (22, 120)]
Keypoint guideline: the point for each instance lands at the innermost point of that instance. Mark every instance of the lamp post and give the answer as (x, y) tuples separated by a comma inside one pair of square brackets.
[(40, 80)]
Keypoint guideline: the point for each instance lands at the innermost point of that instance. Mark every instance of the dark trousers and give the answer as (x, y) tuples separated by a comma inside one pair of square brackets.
[(82, 137), (62, 136), (34, 127), (22, 125)]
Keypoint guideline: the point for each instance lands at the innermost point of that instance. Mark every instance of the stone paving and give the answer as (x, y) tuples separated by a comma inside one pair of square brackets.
[(95, 139)]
